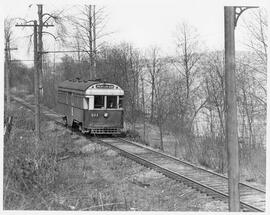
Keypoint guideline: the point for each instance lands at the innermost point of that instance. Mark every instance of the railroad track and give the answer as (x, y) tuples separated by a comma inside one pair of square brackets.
[(209, 182), (203, 180)]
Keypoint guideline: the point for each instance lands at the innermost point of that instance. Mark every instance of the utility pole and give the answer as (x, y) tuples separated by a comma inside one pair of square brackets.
[(7, 74), (40, 45), (36, 83), (40, 48), (231, 111), (231, 16), (36, 78)]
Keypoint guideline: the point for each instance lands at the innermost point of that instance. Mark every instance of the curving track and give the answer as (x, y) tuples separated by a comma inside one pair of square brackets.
[(214, 184), (209, 182)]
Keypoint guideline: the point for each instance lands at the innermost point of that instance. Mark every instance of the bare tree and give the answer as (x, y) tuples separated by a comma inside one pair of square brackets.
[(187, 87), (188, 50), (154, 66), (163, 98), (257, 31), (257, 62), (122, 64), (88, 29), (252, 75), (143, 106), (8, 23), (214, 88), (251, 102)]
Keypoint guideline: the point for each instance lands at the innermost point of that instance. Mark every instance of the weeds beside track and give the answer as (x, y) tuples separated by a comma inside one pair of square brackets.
[(214, 184)]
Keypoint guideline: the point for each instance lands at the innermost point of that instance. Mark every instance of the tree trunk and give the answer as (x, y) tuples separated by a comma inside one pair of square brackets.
[(249, 119), (161, 137), (175, 148), (143, 108), (90, 41), (7, 72), (152, 99)]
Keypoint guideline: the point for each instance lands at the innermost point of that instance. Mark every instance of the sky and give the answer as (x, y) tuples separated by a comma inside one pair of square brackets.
[(142, 23)]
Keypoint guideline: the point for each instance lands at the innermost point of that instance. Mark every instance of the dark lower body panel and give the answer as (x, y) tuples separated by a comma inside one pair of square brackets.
[(93, 121)]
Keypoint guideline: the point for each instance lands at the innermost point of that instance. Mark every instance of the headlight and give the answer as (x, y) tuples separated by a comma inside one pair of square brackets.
[(106, 115)]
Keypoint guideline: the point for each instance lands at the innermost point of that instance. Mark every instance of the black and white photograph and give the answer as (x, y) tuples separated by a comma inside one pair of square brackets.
[(134, 106)]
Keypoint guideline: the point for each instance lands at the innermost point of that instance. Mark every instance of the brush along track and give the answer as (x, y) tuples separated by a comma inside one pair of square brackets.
[(209, 182), (206, 181)]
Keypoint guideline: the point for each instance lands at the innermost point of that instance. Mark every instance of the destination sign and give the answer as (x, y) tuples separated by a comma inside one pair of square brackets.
[(104, 86)]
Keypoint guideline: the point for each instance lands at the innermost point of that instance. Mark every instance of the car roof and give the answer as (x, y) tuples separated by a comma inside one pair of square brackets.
[(89, 87), (81, 85)]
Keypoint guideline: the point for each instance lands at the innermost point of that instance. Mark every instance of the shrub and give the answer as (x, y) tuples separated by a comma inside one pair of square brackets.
[(29, 168)]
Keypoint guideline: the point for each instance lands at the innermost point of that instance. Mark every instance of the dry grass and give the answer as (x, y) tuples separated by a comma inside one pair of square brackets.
[(98, 179), (253, 163), (30, 168), (209, 151)]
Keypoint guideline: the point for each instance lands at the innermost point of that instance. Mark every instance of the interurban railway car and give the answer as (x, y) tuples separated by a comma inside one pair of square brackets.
[(94, 107)]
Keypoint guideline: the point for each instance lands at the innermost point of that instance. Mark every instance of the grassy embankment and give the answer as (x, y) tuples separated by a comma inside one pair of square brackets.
[(66, 172)]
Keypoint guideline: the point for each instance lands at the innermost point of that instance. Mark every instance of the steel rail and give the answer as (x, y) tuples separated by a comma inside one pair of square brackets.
[(176, 176), (187, 163)]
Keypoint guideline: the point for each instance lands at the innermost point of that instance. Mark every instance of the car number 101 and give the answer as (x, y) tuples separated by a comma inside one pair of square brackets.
[(94, 114)]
